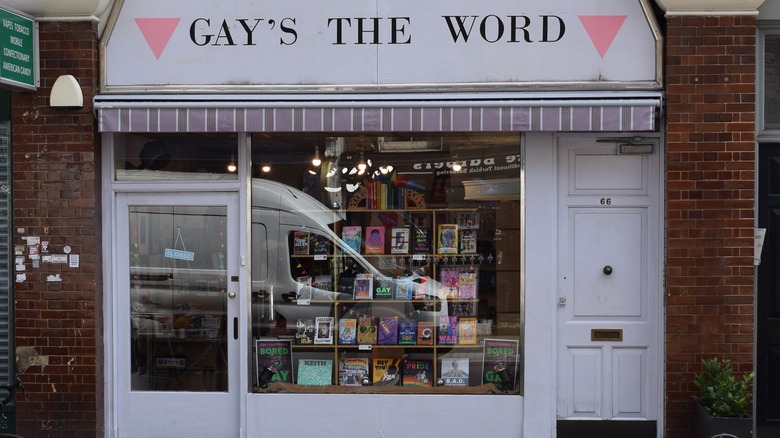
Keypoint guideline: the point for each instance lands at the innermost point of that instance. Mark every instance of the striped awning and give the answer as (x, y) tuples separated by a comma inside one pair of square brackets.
[(299, 115)]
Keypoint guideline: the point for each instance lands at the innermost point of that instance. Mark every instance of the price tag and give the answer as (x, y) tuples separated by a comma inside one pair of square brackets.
[(367, 347)]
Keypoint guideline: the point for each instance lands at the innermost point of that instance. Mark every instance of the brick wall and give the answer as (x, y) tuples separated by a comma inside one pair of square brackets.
[(56, 195), (710, 79)]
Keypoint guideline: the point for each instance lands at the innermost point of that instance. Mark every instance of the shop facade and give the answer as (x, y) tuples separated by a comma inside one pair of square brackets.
[(531, 210)]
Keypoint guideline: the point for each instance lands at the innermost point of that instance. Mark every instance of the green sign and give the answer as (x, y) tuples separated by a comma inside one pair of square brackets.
[(18, 50)]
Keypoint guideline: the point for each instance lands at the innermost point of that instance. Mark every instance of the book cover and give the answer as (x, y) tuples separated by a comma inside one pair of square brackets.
[(323, 285), (468, 220), (448, 239), (300, 243), (347, 331), (421, 289), (425, 332), (455, 372), (399, 241), (468, 241), (448, 280), (315, 372), (387, 330), (407, 331), (499, 363), (276, 356), (364, 287), (304, 293), (447, 332), (352, 237), (352, 371), (366, 330), (418, 372), (319, 244), (384, 287), (387, 372), (346, 285), (324, 334), (403, 288), (304, 332), (463, 308), (467, 285), (422, 241), (375, 240), (467, 331)]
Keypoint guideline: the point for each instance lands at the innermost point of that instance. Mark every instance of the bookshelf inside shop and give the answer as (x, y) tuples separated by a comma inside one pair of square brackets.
[(402, 300)]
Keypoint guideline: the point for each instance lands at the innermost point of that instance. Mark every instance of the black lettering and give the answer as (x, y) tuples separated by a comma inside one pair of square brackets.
[(546, 28), (499, 29), (339, 28), (460, 21), (361, 30), (289, 31), (513, 20), (397, 30), (224, 32), (193, 34), (249, 30)]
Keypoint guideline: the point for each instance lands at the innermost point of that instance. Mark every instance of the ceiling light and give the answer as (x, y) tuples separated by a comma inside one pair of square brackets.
[(316, 160)]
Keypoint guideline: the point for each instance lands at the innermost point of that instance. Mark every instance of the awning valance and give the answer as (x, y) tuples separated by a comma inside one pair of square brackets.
[(390, 113)]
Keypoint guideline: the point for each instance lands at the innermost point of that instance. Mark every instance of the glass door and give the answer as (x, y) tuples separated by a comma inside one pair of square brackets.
[(177, 314)]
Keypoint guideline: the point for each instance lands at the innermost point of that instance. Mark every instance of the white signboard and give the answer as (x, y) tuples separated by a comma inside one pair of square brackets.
[(387, 43)]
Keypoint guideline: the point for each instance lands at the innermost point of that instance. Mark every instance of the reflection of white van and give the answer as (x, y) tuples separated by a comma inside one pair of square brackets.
[(278, 213)]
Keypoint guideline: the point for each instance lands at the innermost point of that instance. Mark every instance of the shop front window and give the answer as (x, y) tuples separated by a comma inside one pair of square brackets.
[(176, 157), (394, 262)]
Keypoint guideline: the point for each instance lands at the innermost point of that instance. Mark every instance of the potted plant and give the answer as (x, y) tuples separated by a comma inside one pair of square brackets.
[(724, 402)]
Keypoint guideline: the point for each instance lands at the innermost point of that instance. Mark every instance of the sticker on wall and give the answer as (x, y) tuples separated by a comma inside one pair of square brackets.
[(33, 252), (54, 277), (46, 259), (20, 278), (18, 249), (33, 240), (59, 258), (44, 246), (74, 261)]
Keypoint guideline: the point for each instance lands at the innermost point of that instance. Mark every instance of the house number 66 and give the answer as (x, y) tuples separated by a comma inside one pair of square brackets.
[(606, 201)]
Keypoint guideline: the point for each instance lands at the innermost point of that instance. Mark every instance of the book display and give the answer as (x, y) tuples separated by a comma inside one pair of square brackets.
[(396, 301)]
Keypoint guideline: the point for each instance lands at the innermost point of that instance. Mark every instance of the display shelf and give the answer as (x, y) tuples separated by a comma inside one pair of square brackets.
[(402, 255)]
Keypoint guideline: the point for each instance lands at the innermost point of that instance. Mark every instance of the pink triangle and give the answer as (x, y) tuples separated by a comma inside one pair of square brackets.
[(602, 29), (157, 32)]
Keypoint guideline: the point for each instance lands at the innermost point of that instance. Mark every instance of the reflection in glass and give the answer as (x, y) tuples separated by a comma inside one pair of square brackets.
[(408, 248), (772, 82), (178, 280)]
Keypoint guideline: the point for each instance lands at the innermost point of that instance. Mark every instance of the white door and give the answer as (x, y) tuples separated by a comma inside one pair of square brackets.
[(608, 283), (176, 315)]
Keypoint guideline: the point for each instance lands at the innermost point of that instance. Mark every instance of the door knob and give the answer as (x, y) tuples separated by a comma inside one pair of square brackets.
[(607, 270), (231, 294), (561, 300)]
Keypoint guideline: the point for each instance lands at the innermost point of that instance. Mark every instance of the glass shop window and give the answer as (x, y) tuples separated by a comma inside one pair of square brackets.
[(169, 157), (387, 261)]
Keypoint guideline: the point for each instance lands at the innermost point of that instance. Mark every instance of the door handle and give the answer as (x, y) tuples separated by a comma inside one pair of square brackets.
[(235, 327), (607, 270), (561, 300)]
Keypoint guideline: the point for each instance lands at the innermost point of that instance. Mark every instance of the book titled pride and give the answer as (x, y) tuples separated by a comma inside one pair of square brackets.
[(418, 372)]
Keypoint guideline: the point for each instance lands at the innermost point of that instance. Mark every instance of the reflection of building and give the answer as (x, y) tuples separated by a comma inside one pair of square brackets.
[(696, 112)]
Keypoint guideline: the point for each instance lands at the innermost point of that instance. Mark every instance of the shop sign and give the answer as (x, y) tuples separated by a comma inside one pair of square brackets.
[(389, 43), (18, 50)]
